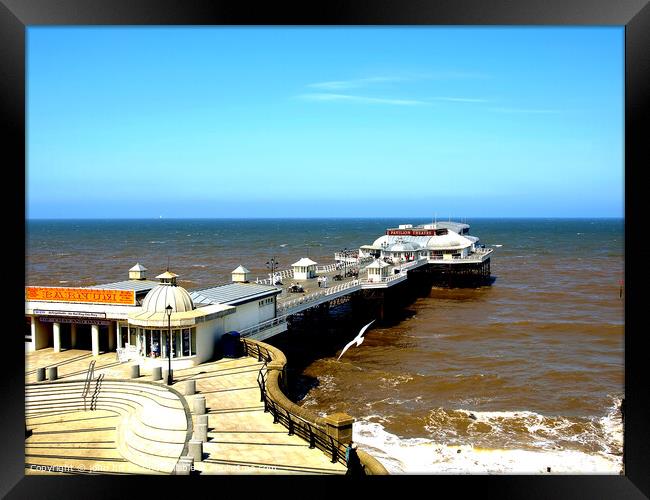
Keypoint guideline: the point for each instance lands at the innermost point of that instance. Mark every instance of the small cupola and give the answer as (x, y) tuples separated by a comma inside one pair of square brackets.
[(138, 272), (167, 278), (240, 275)]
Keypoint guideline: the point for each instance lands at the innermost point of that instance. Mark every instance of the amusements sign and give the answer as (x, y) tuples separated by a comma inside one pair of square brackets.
[(80, 295)]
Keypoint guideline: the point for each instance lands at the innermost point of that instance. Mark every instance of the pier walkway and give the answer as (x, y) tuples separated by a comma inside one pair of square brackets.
[(314, 295)]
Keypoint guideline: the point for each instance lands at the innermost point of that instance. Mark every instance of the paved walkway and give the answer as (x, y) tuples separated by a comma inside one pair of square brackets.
[(76, 443), (242, 439)]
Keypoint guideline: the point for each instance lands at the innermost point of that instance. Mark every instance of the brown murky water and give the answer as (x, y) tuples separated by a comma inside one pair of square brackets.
[(532, 364)]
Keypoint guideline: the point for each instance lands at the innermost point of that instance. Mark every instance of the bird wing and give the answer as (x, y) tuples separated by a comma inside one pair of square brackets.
[(363, 330), (356, 340), (347, 346)]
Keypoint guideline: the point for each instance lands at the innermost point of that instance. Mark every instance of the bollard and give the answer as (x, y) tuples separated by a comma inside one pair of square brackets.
[(52, 373), (190, 387), (135, 371), (40, 374), (165, 371), (202, 419), (156, 373), (199, 405), (201, 432), (195, 447)]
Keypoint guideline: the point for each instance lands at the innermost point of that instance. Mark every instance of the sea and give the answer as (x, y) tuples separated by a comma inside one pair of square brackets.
[(524, 375)]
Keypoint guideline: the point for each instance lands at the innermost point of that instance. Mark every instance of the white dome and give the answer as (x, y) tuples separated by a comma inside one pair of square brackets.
[(163, 295), (406, 246)]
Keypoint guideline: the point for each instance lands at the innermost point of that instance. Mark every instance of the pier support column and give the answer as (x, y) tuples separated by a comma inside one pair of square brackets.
[(118, 333), (94, 338), (111, 336), (56, 336), (73, 335)]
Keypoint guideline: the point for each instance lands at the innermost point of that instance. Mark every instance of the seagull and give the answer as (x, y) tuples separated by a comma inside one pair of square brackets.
[(356, 340)]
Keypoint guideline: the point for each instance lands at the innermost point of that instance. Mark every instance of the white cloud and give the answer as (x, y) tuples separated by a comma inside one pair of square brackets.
[(526, 110), (460, 99), (361, 99), (351, 84)]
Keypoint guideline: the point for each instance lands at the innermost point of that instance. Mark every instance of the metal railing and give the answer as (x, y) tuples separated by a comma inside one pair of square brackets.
[(95, 396), (89, 377), (317, 296), (287, 273), (307, 429), (251, 330)]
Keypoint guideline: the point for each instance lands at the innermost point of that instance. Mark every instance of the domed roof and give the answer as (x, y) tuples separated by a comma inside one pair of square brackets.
[(404, 246), (166, 294)]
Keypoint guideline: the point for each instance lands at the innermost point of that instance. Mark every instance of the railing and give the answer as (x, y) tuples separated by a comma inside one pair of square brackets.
[(247, 332), (89, 377), (287, 273), (328, 268), (95, 396), (317, 296), (298, 421), (347, 257), (476, 255)]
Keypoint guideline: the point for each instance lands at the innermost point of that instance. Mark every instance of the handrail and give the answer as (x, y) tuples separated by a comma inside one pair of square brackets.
[(246, 332), (313, 297), (298, 420), (89, 377), (95, 396)]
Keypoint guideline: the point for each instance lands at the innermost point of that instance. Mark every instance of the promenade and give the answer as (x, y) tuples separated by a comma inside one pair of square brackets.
[(242, 438)]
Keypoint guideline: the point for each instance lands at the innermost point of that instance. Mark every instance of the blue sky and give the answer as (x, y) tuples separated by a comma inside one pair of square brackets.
[(308, 122)]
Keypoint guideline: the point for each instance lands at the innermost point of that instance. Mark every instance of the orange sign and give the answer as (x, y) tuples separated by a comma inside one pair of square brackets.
[(81, 295)]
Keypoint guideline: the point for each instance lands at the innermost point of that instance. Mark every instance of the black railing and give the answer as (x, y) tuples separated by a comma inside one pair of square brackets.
[(89, 377), (314, 434), (95, 396)]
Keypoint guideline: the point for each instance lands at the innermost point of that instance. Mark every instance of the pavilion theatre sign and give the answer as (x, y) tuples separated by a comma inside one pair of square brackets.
[(416, 232), (80, 295)]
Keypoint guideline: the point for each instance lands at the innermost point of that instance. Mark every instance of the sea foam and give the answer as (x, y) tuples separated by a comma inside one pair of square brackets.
[(422, 455)]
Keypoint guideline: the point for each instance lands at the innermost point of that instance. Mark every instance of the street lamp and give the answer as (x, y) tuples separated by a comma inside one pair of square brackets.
[(168, 311), (272, 265)]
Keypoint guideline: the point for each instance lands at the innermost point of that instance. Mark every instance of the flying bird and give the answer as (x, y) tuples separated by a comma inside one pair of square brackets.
[(356, 340)]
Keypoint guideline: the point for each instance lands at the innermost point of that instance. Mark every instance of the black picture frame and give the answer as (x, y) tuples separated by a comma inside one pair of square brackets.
[(16, 15)]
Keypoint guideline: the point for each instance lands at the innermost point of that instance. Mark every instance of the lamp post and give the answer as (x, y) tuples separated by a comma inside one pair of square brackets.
[(272, 265), (168, 311)]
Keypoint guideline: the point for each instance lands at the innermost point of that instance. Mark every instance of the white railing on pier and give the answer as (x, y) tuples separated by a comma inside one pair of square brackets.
[(328, 268), (349, 257), (286, 273), (265, 325), (316, 297), (477, 256)]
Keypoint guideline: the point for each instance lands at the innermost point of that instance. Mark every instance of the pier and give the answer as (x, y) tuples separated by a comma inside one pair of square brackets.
[(350, 271)]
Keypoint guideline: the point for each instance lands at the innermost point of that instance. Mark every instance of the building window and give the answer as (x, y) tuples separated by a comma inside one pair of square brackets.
[(186, 342)]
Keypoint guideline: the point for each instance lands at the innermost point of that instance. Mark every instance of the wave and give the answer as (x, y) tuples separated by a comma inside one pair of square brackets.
[(425, 455)]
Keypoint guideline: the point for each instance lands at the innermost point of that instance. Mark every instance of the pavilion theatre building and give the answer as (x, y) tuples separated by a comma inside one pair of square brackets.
[(133, 317)]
